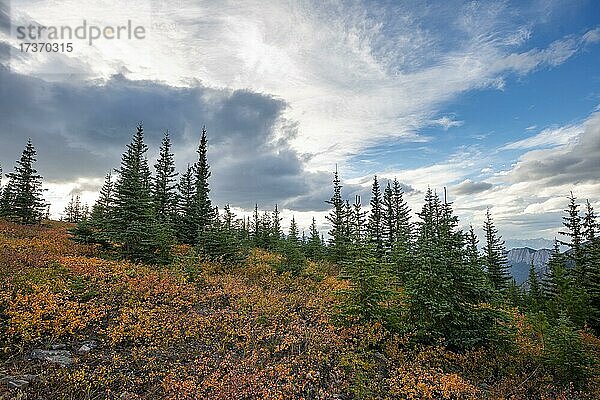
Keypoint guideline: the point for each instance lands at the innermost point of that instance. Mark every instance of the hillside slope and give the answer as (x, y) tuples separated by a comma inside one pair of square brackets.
[(75, 326)]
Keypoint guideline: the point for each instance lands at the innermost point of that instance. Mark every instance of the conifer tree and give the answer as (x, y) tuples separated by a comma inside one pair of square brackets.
[(368, 294), (473, 256), (534, 290), (337, 240), (164, 194), (187, 229), (294, 260), (358, 222), (97, 228), (514, 295), (389, 224), (314, 248), (203, 213), (22, 198), (443, 289), (293, 233), (574, 232), (132, 220), (276, 231), (592, 261), (375, 224), (256, 227), (402, 247), (494, 255), (102, 209), (74, 211)]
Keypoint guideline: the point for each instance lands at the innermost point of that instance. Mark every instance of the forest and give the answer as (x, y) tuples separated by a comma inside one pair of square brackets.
[(155, 292)]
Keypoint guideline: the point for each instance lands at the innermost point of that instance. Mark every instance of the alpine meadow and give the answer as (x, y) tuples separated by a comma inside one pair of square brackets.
[(299, 200)]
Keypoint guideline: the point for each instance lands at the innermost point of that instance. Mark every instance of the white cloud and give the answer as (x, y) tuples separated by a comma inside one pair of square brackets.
[(548, 137), (353, 75)]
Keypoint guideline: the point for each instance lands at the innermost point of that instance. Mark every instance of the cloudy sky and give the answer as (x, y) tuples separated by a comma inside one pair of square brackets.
[(499, 101)]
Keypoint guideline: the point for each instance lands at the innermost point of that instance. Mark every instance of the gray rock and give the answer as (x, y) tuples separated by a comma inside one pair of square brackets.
[(84, 349), (58, 346), (61, 357)]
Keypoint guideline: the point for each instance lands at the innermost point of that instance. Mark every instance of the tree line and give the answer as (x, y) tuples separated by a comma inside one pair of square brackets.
[(424, 277)]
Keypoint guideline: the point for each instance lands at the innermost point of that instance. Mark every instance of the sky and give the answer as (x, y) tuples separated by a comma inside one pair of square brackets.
[(498, 101)]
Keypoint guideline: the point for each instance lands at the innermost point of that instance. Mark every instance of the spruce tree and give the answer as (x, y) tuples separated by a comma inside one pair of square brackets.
[(102, 209), (574, 232), (164, 193), (592, 261), (132, 220), (22, 199), (96, 230), (368, 295), (203, 213), (473, 256), (256, 227), (187, 229), (389, 224), (276, 232), (314, 249), (294, 260), (402, 247), (494, 255), (534, 290), (336, 217), (375, 223), (443, 289), (358, 222)]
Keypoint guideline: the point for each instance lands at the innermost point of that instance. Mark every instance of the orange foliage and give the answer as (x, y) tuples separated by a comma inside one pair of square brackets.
[(198, 330)]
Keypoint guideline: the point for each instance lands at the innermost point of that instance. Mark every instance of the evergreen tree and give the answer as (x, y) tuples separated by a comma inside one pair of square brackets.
[(187, 229), (337, 240), (256, 227), (294, 260), (102, 209), (22, 199), (574, 232), (443, 289), (375, 224), (293, 233), (534, 290), (75, 211), (514, 295), (368, 294), (164, 193), (276, 231), (96, 230), (132, 221), (561, 295), (494, 255), (389, 223), (592, 261), (203, 213), (314, 248), (358, 222), (402, 247), (473, 256)]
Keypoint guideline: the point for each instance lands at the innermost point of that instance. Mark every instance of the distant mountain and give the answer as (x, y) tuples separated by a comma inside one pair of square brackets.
[(535, 244), (520, 260)]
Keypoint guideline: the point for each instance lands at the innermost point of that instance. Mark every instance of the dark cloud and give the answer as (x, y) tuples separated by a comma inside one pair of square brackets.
[(81, 128), (565, 165), (469, 187), (5, 17)]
